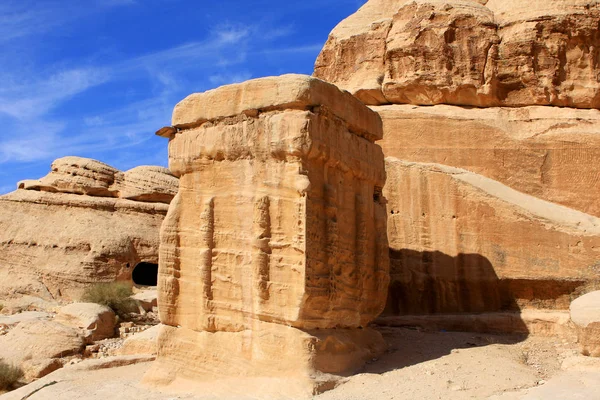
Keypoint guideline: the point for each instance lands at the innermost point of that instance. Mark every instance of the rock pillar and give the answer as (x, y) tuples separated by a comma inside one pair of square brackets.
[(274, 254)]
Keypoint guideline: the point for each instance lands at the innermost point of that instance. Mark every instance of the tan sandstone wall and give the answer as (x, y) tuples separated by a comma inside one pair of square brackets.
[(460, 242), (508, 91), (547, 152)]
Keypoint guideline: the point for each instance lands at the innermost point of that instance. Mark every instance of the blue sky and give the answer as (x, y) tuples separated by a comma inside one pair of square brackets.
[(98, 78)]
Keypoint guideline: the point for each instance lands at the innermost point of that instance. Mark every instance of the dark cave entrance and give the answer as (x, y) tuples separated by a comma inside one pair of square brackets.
[(145, 274)]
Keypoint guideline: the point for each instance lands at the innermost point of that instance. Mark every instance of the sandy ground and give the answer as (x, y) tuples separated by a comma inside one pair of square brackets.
[(418, 365)]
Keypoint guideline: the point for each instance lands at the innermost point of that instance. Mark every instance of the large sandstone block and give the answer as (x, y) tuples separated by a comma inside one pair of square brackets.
[(461, 242), (585, 314), (468, 52), (547, 152), (97, 322), (85, 222), (278, 229)]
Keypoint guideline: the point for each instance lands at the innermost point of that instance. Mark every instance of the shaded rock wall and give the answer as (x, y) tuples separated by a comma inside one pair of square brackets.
[(461, 242)]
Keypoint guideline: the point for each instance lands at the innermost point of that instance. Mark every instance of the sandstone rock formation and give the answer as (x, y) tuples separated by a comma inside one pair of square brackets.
[(468, 52), (274, 251), (84, 222), (37, 346), (456, 247), (97, 322), (457, 244), (585, 314), (546, 152)]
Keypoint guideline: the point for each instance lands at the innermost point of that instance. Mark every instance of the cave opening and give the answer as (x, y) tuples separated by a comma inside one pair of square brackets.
[(145, 274)]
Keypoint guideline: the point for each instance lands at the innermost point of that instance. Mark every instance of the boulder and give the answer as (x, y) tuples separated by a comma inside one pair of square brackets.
[(145, 342), (461, 242), (468, 52), (96, 321), (83, 223), (585, 314), (37, 346), (10, 321), (147, 299)]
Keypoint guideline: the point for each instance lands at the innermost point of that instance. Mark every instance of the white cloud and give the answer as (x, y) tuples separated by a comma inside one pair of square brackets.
[(26, 103), (20, 18), (35, 98)]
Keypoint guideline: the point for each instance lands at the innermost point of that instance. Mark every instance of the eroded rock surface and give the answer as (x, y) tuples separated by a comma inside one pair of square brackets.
[(468, 52), (461, 242), (546, 152), (79, 225), (278, 229), (37, 346)]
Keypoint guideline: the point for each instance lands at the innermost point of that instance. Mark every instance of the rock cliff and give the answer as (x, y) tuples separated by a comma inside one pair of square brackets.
[(468, 52), (508, 92)]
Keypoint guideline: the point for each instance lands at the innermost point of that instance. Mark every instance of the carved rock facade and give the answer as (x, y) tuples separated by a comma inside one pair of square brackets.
[(274, 252)]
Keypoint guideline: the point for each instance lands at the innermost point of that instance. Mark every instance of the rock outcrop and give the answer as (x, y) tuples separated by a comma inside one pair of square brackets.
[(38, 346), (273, 255), (585, 314), (96, 322), (85, 222), (512, 91), (457, 244), (468, 52)]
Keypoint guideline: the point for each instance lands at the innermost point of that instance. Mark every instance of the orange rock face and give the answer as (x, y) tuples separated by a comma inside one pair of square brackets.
[(468, 52), (461, 242), (546, 152), (278, 229)]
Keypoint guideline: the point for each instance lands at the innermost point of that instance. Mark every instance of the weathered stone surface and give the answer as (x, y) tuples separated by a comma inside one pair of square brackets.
[(145, 342), (546, 152), (461, 242), (468, 52), (585, 314), (71, 228), (9, 321), (33, 345), (278, 228), (292, 91), (148, 184), (97, 322)]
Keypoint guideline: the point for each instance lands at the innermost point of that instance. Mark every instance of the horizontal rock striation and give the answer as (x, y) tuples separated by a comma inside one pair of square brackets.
[(547, 152)]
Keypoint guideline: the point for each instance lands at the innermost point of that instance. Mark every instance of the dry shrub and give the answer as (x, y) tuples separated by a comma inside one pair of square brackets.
[(9, 375), (115, 295)]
